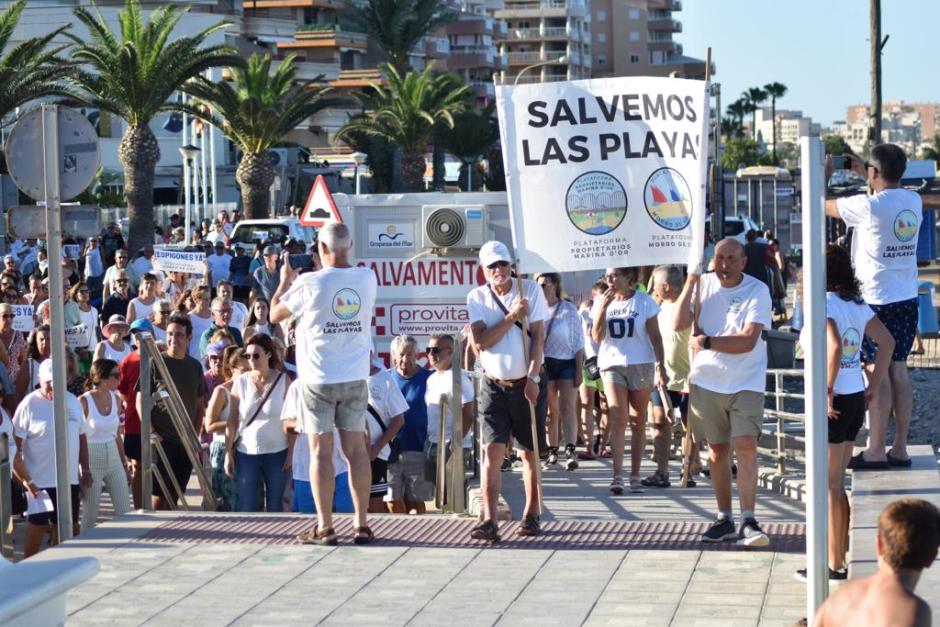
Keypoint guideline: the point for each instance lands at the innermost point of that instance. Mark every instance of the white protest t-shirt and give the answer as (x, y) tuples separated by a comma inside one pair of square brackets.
[(239, 316), (851, 318), (884, 243), (388, 401), (443, 383), (334, 339), (726, 311), (590, 346), (33, 422), (220, 267), (626, 342), (300, 459), (506, 359), (563, 334)]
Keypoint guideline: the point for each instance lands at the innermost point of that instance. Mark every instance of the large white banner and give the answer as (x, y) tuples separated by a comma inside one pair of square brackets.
[(606, 172), (170, 260)]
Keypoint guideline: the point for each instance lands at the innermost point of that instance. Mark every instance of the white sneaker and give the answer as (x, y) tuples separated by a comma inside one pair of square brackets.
[(751, 535)]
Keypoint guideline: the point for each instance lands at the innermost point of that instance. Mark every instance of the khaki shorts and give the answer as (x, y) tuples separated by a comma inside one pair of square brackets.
[(407, 479), (325, 405), (717, 417), (633, 377)]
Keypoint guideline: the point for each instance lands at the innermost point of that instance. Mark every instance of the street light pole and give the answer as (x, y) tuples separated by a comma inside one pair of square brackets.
[(359, 158), (562, 59), (188, 152)]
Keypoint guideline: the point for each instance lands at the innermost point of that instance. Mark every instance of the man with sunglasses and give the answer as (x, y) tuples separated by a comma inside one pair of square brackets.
[(120, 297), (886, 224), (496, 312), (121, 267), (221, 309)]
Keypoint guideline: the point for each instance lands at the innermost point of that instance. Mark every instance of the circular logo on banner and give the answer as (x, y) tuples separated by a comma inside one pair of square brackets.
[(346, 304), (851, 342), (668, 199), (596, 203), (905, 225)]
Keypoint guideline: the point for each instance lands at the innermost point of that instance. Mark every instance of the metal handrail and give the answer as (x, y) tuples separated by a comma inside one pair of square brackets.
[(6, 502), (780, 414)]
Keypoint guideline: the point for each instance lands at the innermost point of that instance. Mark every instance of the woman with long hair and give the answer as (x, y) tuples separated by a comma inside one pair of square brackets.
[(200, 316), (38, 349), (564, 355), (258, 321), (81, 294), (625, 327), (848, 320), (216, 422), (109, 470), (256, 445)]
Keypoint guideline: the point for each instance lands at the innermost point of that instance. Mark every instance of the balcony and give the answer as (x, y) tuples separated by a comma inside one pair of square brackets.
[(310, 70), (534, 77), (664, 45), (294, 4), (471, 26), (326, 36), (436, 47), (664, 25), (264, 28), (357, 79), (543, 8), (483, 89), (528, 58)]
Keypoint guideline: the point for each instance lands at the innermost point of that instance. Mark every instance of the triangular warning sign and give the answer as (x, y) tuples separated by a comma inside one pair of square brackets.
[(320, 207)]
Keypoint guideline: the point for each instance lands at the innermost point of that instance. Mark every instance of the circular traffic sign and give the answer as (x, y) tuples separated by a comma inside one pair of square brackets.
[(78, 153)]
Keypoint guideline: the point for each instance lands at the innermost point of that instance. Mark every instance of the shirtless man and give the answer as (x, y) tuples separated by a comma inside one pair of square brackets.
[(908, 535)]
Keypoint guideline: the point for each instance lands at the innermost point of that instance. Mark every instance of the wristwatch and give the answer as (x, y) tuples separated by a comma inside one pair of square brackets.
[(535, 378), (707, 344)]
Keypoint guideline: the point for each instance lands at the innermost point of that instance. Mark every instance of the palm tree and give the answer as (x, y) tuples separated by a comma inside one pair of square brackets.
[(31, 69), (258, 108), (132, 74), (737, 110), (473, 135), (406, 113), (396, 27), (775, 90), (932, 150), (753, 98)]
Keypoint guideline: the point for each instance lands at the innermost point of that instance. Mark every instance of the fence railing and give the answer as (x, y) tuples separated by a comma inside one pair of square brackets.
[(785, 415)]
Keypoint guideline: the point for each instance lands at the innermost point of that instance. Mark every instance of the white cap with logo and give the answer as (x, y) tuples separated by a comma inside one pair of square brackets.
[(493, 251)]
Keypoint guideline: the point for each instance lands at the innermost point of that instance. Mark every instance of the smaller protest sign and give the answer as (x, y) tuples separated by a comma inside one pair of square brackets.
[(170, 260), (23, 318), (77, 337)]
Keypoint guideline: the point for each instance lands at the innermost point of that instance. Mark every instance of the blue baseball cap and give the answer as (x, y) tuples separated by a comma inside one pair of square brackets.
[(141, 324)]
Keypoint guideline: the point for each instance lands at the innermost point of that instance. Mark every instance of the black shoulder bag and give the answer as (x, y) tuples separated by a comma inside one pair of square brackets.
[(394, 445)]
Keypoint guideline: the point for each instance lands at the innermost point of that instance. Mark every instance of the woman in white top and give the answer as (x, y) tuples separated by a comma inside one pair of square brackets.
[(258, 321), (216, 422), (88, 314), (141, 306), (564, 355), (113, 346), (627, 332), (109, 470), (848, 320), (201, 318), (256, 448), (591, 388), (38, 349)]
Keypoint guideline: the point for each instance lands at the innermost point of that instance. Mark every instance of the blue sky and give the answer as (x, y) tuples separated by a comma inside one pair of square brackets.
[(818, 49)]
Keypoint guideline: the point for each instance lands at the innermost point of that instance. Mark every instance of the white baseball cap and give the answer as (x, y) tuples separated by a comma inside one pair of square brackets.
[(45, 371), (494, 251)]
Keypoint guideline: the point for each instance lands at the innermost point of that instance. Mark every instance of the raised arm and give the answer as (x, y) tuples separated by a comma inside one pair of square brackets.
[(684, 316)]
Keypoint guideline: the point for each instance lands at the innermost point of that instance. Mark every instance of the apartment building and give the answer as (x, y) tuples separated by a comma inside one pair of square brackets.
[(910, 125), (553, 35), (637, 38), (474, 54), (791, 125)]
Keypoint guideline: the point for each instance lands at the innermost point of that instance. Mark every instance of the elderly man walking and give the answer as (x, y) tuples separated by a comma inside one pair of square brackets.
[(727, 381), (496, 311), (884, 255), (334, 307)]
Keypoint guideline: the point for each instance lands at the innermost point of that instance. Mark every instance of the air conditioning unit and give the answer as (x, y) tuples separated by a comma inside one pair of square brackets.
[(278, 157), (453, 226)]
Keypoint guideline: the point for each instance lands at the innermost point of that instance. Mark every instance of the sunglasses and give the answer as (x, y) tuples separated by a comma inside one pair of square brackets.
[(253, 356), (434, 350), (214, 358), (122, 281), (498, 264)]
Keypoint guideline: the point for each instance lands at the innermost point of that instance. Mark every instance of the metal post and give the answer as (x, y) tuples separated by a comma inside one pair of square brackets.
[(356, 175), (458, 492), (760, 208), (719, 208), (775, 226), (781, 438), (202, 173), (146, 450), (187, 220), (735, 200), (212, 172), (50, 141), (812, 155), (6, 506)]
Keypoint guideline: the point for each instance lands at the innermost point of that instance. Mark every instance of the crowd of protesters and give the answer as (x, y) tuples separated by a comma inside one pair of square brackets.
[(281, 382)]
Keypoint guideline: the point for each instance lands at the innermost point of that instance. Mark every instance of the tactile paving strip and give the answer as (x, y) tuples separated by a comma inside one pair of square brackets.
[(446, 532)]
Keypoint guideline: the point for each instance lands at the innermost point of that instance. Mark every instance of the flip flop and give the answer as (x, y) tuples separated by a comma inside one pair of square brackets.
[(899, 463), (858, 462)]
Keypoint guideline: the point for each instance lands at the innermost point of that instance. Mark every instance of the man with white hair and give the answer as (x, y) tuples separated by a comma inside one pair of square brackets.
[(334, 307)]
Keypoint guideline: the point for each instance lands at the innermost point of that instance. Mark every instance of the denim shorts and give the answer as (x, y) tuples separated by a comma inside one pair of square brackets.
[(559, 369)]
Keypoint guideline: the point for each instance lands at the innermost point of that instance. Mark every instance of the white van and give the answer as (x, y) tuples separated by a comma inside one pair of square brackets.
[(248, 232)]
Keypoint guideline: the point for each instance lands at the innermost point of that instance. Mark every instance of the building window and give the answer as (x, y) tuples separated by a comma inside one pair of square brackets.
[(633, 14), (634, 35), (602, 59), (601, 38), (601, 15), (634, 58)]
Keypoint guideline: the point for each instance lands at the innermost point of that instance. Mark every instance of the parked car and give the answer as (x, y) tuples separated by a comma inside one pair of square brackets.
[(738, 226), (275, 230)]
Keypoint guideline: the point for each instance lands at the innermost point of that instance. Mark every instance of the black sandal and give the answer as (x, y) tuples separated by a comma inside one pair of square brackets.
[(529, 526), (321, 537), (487, 530), (656, 480), (363, 535)]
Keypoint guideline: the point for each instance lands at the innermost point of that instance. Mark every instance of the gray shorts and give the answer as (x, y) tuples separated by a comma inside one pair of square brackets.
[(632, 377), (718, 418), (407, 479), (328, 405)]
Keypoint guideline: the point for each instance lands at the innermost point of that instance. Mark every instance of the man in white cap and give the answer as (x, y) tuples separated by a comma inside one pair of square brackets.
[(496, 311), (34, 432)]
